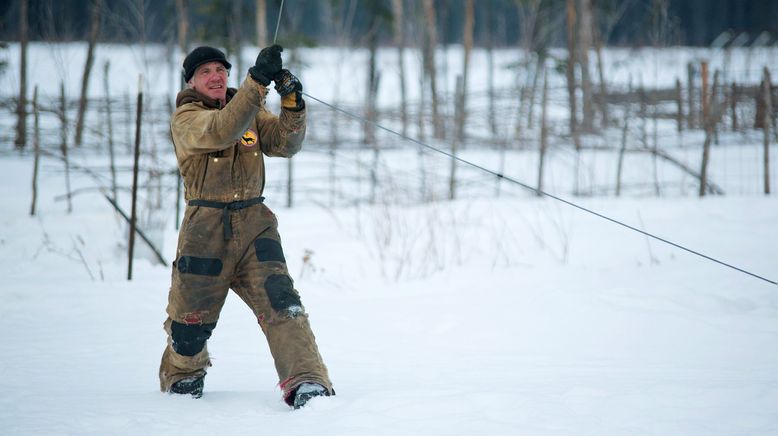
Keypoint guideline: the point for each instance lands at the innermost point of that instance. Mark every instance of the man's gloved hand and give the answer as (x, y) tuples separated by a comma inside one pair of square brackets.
[(290, 89), (268, 64)]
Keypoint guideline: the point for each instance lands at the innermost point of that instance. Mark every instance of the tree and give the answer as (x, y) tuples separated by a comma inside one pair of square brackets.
[(261, 23), (21, 107), (430, 67), (94, 30)]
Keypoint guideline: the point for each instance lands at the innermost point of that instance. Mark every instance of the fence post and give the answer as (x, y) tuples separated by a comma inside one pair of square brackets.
[(458, 135), (768, 98), (691, 118), (136, 158), (109, 125), (64, 144), (679, 101), (543, 132), (36, 144), (704, 96), (733, 102)]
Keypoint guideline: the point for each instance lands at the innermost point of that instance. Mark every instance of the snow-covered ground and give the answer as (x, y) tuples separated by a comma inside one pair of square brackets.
[(510, 315)]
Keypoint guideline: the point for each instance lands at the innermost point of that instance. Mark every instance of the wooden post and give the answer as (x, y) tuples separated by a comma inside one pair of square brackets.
[(457, 138), (490, 82), (679, 101), (733, 104), (768, 112), (64, 142), (691, 119), (36, 144), (109, 126), (136, 158), (709, 123), (704, 96), (543, 133), (620, 166)]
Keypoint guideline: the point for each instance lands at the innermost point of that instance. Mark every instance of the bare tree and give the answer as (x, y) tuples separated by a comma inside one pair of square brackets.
[(585, 27), (571, 58), (430, 68), (21, 107), (261, 22), (399, 40), (182, 10), (94, 31), (468, 47), (543, 133)]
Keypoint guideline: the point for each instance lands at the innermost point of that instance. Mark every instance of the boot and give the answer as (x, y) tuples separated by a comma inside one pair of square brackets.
[(189, 386), (306, 391)]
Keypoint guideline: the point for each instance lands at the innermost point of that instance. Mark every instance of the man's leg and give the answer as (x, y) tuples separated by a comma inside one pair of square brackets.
[(263, 282), (196, 297)]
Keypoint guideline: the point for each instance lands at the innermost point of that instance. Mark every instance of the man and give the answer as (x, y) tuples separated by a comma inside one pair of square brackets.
[(228, 237)]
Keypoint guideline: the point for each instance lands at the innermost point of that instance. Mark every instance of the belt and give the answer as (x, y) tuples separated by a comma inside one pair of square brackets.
[(226, 209)]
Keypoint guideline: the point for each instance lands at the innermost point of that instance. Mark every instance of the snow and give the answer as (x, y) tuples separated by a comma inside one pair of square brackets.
[(514, 315)]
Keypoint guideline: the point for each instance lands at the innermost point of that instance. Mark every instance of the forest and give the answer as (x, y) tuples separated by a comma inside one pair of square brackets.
[(497, 22)]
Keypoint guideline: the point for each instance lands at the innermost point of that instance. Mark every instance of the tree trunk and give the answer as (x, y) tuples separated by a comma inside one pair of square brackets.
[(543, 133), (430, 67), (235, 39), (468, 47), (94, 31), (399, 40), (261, 23), (585, 43), (21, 106), (603, 87), (571, 71), (182, 9)]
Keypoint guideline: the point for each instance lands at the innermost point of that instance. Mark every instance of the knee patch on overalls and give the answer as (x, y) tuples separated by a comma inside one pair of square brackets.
[(280, 292), (189, 339)]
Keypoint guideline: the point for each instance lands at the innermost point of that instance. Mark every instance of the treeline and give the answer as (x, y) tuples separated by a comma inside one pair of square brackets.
[(321, 22)]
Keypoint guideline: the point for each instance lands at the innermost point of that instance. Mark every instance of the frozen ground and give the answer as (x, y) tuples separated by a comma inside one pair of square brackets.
[(489, 316), (510, 317)]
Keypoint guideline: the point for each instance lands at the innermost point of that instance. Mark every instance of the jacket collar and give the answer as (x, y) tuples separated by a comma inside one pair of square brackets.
[(189, 95)]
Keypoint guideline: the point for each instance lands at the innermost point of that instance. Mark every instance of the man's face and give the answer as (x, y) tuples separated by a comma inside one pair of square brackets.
[(210, 79)]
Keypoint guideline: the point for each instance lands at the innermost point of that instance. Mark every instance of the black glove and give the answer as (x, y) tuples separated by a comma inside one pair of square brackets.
[(290, 89), (268, 64)]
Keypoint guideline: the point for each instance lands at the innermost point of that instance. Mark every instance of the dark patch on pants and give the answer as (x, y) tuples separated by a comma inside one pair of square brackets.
[(189, 340), (201, 266), (281, 292), (269, 250)]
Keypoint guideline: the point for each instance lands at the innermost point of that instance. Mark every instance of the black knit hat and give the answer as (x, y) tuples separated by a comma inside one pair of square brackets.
[(202, 55)]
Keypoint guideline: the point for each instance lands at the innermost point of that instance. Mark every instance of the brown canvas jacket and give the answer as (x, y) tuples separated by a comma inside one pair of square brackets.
[(220, 150)]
